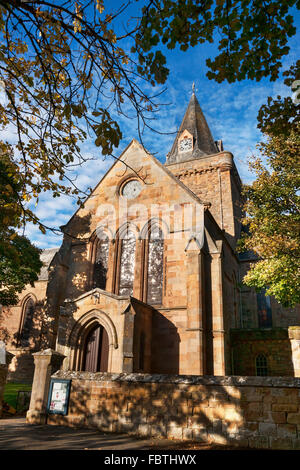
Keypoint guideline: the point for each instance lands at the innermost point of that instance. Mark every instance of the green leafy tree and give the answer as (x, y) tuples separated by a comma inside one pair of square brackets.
[(58, 60), (252, 34), (19, 259), (18, 267), (273, 200)]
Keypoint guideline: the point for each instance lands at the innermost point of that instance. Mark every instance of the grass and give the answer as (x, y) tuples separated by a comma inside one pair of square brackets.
[(11, 392)]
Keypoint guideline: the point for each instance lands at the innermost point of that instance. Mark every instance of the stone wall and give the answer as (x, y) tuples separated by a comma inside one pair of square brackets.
[(273, 343), (3, 374), (21, 368), (259, 412)]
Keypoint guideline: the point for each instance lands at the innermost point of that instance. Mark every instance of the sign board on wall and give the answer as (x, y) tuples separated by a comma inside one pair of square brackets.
[(58, 398)]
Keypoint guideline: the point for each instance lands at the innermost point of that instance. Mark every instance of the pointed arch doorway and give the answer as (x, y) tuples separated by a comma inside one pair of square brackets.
[(96, 350)]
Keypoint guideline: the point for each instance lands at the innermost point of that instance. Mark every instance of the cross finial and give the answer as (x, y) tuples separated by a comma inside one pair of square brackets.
[(193, 87)]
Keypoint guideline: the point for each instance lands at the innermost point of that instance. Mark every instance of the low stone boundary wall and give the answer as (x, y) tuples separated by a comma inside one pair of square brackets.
[(3, 374), (3, 377), (256, 412)]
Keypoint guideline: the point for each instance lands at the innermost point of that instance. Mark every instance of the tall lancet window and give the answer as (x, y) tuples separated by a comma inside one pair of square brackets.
[(101, 262), (155, 265), (264, 310), (127, 263), (27, 322)]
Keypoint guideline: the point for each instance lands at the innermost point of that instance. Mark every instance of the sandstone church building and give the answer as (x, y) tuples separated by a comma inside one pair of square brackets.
[(148, 279)]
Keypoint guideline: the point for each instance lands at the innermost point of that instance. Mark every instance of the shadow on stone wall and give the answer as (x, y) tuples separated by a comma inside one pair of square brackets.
[(65, 282), (141, 404), (21, 369), (165, 345), (208, 322), (254, 412), (43, 330)]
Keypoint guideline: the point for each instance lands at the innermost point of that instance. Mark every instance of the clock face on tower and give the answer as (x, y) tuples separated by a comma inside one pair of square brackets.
[(185, 144), (131, 189)]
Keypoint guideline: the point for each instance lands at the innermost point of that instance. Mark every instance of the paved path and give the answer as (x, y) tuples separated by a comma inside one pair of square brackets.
[(16, 434)]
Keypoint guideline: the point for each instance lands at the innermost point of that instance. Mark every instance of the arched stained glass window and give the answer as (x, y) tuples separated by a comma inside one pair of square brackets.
[(155, 265), (101, 262), (264, 310), (27, 323), (261, 364), (127, 263)]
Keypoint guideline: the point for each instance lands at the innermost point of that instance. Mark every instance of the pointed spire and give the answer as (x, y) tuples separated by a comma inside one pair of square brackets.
[(196, 127)]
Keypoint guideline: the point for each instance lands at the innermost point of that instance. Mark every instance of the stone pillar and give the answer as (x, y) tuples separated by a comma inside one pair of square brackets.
[(195, 309), (46, 362), (217, 315), (128, 338), (294, 336), (138, 271), (110, 280)]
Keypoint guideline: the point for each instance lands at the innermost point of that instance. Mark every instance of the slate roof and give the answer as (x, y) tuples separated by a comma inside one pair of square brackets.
[(194, 122), (46, 257)]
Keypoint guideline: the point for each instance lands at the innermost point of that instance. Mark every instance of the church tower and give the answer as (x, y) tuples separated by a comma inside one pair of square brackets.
[(205, 168), (194, 139)]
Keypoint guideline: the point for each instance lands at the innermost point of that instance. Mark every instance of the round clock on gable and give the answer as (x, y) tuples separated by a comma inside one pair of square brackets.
[(185, 144), (131, 189)]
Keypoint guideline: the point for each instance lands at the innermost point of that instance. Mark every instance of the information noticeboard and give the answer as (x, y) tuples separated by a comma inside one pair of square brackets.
[(58, 399)]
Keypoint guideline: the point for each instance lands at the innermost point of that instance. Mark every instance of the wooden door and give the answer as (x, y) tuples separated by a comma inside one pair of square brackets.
[(96, 350)]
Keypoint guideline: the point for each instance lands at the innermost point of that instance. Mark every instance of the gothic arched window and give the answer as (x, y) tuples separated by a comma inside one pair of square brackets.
[(27, 322), (261, 365), (155, 265), (127, 263), (101, 262)]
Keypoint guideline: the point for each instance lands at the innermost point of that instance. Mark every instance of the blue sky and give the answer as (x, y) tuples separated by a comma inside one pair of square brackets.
[(230, 109)]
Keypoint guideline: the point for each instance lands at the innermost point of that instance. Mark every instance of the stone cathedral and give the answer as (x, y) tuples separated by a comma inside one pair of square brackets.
[(148, 279)]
